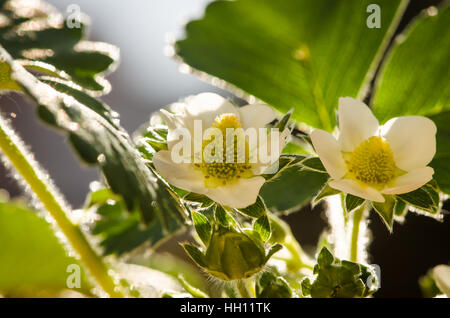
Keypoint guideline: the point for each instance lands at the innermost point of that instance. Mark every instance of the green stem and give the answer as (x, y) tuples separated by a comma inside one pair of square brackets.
[(357, 217), (296, 262), (244, 288), (11, 146)]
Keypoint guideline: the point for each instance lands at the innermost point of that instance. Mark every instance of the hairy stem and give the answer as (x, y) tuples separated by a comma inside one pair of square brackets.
[(13, 148), (357, 217)]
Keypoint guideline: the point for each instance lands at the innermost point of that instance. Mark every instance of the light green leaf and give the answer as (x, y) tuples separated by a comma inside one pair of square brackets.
[(314, 164), (414, 79), (325, 192), (262, 227), (291, 54), (202, 226), (32, 260), (441, 161)]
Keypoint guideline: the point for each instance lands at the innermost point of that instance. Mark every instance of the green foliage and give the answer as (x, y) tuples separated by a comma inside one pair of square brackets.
[(27, 245), (401, 90), (352, 202), (291, 54), (426, 199), (121, 230), (43, 42), (293, 188), (386, 210), (339, 279), (270, 285)]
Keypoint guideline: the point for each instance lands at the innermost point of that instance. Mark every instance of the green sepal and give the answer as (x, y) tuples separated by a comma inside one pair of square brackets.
[(202, 200), (272, 250), (326, 191), (262, 227), (425, 198), (339, 279), (195, 254), (352, 202), (256, 210), (283, 122), (386, 210), (202, 226), (194, 292), (269, 285)]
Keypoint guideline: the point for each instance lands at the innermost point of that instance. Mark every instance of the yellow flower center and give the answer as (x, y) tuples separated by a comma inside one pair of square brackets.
[(228, 171), (372, 162)]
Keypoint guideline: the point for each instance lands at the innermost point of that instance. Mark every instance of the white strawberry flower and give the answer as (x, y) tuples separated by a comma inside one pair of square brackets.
[(441, 275), (368, 160), (235, 185)]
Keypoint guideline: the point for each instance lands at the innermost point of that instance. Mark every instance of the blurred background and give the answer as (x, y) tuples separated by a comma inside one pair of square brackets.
[(147, 80)]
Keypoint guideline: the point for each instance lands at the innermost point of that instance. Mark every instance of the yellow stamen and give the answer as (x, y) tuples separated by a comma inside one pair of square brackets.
[(222, 173), (372, 162)]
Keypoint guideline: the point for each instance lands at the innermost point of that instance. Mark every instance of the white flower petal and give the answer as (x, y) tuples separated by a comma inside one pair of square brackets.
[(410, 181), (441, 275), (354, 188), (239, 194), (271, 156), (412, 140), (356, 123), (182, 175), (256, 115), (207, 106), (329, 153)]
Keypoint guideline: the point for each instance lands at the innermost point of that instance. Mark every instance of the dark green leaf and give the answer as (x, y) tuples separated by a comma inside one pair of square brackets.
[(38, 36), (352, 202), (283, 123), (291, 54), (194, 252), (386, 210), (400, 208), (200, 199), (441, 161), (292, 189), (27, 245), (423, 46), (314, 164), (202, 226), (121, 231)]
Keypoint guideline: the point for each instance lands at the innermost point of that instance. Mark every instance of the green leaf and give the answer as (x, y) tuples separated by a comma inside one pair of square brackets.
[(27, 244), (425, 198), (352, 202), (325, 192), (291, 54), (262, 227), (283, 122), (121, 231), (339, 279), (195, 292), (293, 188), (195, 254), (441, 161), (273, 249), (270, 285), (200, 199), (255, 210), (423, 47), (400, 209), (314, 164), (386, 210), (202, 226), (37, 35)]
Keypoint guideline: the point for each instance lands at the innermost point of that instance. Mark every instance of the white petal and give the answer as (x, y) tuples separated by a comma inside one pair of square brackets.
[(238, 195), (412, 139), (329, 153), (441, 275), (356, 189), (256, 115), (272, 154), (207, 106), (356, 123), (182, 175), (410, 181)]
